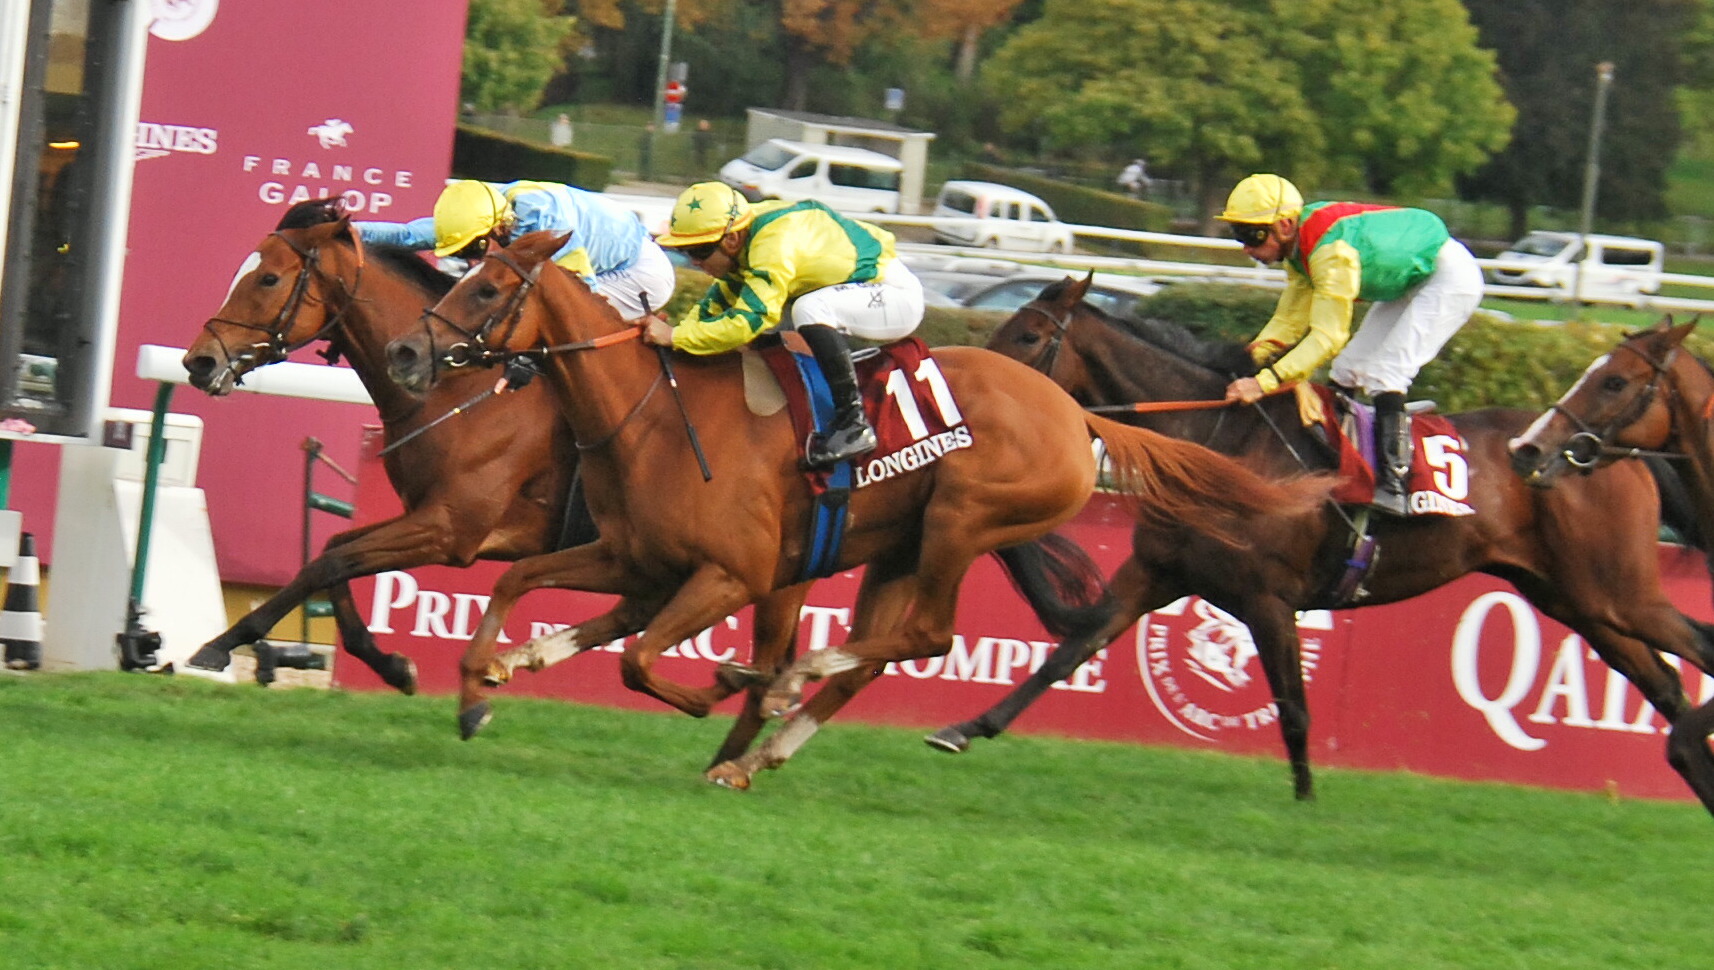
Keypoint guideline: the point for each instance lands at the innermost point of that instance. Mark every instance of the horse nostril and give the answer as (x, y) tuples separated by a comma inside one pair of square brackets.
[(200, 366)]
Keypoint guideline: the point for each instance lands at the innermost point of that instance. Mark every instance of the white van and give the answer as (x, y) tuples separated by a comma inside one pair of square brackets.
[(999, 217), (846, 179), (1615, 267)]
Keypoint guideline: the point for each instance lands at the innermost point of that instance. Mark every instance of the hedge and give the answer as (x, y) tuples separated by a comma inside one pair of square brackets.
[(481, 153)]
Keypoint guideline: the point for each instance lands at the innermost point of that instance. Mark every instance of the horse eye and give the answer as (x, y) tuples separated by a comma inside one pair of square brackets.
[(1614, 384), (1029, 338), (268, 279), (487, 291)]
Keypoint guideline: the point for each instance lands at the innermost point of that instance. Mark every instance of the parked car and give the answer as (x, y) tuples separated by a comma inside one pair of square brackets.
[(847, 179), (1615, 267), (1000, 217), (1116, 294)]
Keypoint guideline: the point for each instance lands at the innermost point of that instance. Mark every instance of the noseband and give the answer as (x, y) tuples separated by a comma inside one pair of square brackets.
[(274, 345), (1588, 446), (474, 348)]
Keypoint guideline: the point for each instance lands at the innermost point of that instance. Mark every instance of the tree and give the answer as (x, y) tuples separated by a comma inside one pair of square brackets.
[(963, 21), (1548, 50), (512, 48), (1335, 91)]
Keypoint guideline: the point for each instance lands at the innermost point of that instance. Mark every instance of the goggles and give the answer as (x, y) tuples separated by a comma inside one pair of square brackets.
[(1250, 235), (698, 253)]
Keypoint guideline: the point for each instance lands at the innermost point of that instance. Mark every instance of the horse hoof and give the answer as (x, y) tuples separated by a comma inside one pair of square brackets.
[(400, 674), (736, 677), (210, 657), (729, 775), (781, 705), (948, 739), (472, 720)]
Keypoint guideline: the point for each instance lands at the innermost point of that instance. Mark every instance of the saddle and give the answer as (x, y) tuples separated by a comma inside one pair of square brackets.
[(907, 402), (1439, 476)]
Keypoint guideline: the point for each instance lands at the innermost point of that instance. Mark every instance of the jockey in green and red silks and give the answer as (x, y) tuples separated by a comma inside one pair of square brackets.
[(1422, 284)]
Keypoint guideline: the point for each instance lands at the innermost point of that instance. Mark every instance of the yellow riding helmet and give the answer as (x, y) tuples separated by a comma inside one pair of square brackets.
[(705, 212), (464, 211), (1262, 200)]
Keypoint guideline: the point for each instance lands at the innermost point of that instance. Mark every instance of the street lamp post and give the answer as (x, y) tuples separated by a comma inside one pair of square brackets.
[(668, 15), (1591, 176)]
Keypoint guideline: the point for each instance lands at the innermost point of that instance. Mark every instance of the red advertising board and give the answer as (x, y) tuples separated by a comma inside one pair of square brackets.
[(246, 109), (1467, 682)]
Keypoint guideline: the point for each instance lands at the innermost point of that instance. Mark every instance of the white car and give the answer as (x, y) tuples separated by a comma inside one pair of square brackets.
[(1614, 267), (846, 179), (998, 216), (1116, 294)]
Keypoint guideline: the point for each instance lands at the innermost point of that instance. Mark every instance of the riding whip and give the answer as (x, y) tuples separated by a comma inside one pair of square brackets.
[(672, 381)]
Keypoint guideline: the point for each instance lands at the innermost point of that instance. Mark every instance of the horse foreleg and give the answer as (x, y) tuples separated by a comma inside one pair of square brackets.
[(540, 653), (395, 669), (883, 598), (591, 567), (347, 555), (710, 595), (775, 626), (1134, 592)]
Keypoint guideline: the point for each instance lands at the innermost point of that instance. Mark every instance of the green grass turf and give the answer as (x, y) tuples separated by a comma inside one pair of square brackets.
[(157, 822)]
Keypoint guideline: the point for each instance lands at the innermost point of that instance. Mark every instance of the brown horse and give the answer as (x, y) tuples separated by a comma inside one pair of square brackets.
[(690, 550), (1584, 554), (489, 489), (1649, 394)]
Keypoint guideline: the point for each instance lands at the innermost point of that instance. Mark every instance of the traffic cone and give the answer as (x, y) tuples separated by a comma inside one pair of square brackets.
[(21, 619)]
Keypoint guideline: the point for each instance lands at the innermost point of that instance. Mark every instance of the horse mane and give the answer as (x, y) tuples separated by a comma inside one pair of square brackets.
[(401, 259), (1224, 357)]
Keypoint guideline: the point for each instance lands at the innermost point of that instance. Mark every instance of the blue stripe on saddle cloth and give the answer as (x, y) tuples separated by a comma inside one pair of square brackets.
[(827, 521)]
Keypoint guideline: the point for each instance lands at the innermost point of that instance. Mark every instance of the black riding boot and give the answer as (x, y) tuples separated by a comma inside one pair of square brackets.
[(850, 434), (1392, 453)]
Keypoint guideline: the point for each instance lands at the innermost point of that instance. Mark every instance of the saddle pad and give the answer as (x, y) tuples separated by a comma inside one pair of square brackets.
[(904, 395), (1439, 481)]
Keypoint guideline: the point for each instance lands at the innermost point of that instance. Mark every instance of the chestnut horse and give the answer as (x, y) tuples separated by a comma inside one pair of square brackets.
[(1649, 394), (690, 549), (1584, 554), (489, 488)]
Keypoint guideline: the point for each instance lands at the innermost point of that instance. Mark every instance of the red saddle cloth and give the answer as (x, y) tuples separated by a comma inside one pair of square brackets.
[(907, 400), (1439, 473)]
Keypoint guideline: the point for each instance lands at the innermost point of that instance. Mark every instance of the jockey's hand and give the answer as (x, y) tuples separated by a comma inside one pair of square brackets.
[(1244, 390), (658, 331)]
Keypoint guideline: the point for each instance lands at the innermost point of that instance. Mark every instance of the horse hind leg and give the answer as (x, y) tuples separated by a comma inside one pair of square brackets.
[(1273, 628), (1687, 751), (1134, 592), (395, 669)]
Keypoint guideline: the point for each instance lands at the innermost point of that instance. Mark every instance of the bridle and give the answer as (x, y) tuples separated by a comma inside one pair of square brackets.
[(273, 346), (475, 348), (1584, 449), (1061, 324)]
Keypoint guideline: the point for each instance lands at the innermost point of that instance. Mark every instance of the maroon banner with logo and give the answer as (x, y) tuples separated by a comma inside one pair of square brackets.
[(1467, 682), (248, 108)]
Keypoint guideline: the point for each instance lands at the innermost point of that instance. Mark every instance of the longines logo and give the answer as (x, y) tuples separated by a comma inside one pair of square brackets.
[(155, 140), (1202, 671)]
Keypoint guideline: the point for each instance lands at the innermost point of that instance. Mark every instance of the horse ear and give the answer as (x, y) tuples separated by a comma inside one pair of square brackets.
[(537, 247), (1074, 293), (1678, 333)]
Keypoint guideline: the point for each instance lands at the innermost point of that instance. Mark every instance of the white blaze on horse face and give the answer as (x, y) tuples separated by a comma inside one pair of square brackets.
[(248, 266), (1539, 426)]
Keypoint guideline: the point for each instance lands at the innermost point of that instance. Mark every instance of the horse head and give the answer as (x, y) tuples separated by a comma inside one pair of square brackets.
[(291, 291), (484, 319), (1035, 333), (1616, 408)]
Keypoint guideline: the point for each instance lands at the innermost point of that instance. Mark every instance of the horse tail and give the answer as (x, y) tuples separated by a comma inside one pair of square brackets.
[(1061, 583), (1178, 482), (1677, 506)]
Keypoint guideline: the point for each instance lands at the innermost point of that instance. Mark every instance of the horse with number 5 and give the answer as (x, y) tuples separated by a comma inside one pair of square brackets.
[(689, 548), (492, 484), (1583, 553)]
